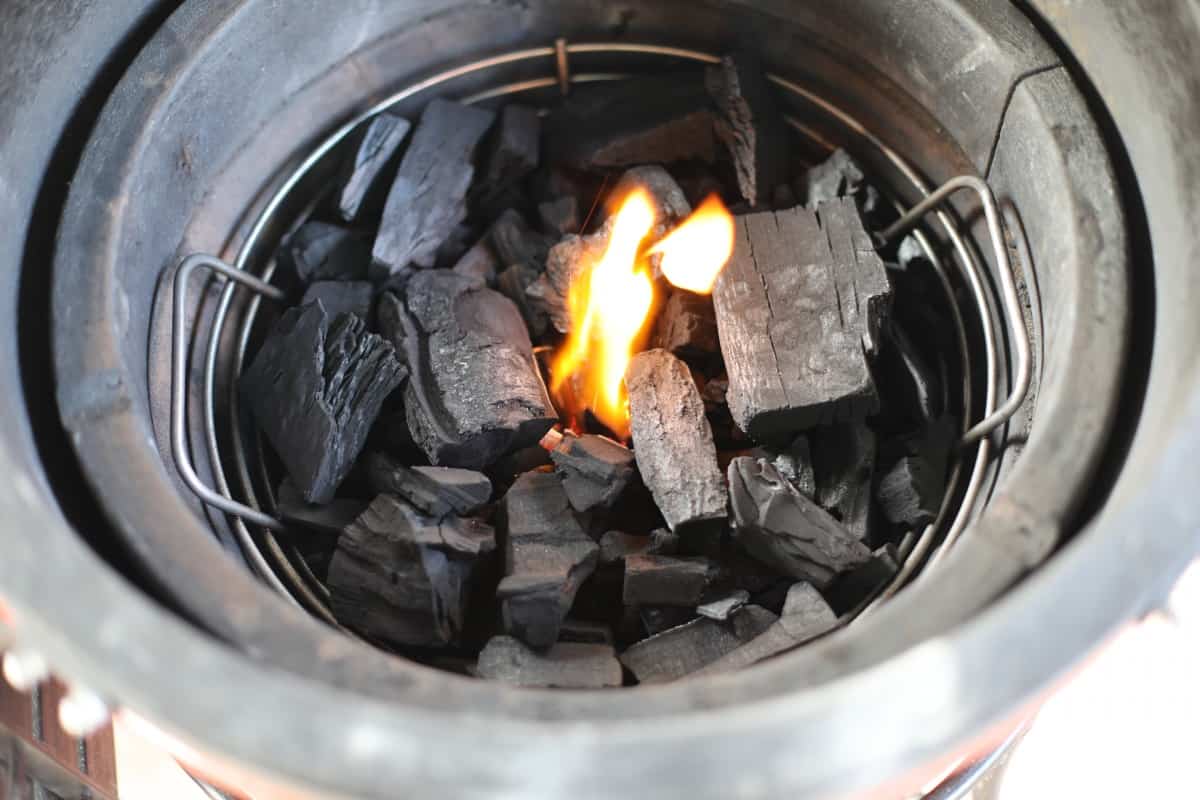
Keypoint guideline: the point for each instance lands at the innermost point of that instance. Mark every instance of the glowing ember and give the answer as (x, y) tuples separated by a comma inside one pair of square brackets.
[(611, 301)]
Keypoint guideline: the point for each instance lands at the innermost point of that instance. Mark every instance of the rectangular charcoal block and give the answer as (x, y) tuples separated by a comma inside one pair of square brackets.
[(805, 616), (680, 651), (750, 126), (652, 580), (566, 665)]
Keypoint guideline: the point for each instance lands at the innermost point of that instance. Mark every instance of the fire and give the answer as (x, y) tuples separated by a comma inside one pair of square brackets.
[(611, 300)]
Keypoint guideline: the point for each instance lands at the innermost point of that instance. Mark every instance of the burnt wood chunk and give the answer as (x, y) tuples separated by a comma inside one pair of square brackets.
[(405, 578), (513, 148), (315, 388), (786, 530), (672, 440), (436, 491), (547, 557), (560, 215), (342, 297), (376, 156), (685, 649), (566, 665), (749, 125), (656, 119), (594, 470), (687, 326), (478, 265), (427, 198), (844, 459), (799, 307), (721, 608), (835, 177), (652, 580), (805, 616), (330, 518), (319, 251), (476, 391)]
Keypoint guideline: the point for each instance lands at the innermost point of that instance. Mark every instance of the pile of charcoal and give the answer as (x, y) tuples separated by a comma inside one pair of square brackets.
[(787, 431)]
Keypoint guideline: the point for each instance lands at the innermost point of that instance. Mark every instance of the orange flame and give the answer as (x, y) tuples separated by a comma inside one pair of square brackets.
[(611, 300)]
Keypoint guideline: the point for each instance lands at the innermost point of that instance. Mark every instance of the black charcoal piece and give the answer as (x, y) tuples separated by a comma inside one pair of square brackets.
[(566, 665), (616, 545), (585, 632), (375, 157), (560, 215), (850, 591), (666, 580), (547, 557), (799, 307), (594, 469), (405, 578), (844, 460), (749, 125), (315, 388), (517, 283), (514, 242), (672, 440), (342, 297), (656, 619), (685, 649), (670, 203), (476, 391), (513, 147), (786, 530), (426, 200), (478, 265), (721, 608), (805, 616), (687, 326), (433, 490), (655, 119), (795, 462), (909, 385), (910, 490), (835, 177), (330, 518), (318, 251)]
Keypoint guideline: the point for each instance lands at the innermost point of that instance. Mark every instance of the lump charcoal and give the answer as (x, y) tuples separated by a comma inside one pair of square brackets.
[(566, 665), (342, 297), (476, 391), (672, 440), (616, 546), (805, 616), (427, 198), (375, 157), (795, 462), (547, 557), (671, 205), (433, 490), (585, 632), (721, 608), (478, 265), (656, 119), (517, 283), (688, 648), (594, 470), (687, 326), (318, 251), (330, 518), (666, 580), (909, 385), (514, 242), (786, 530), (910, 490), (406, 578), (560, 215), (844, 459), (513, 147), (749, 125), (798, 308), (315, 388), (656, 619), (852, 590)]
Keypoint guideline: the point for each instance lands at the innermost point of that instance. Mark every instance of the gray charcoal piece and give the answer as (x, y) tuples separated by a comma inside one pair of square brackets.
[(566, 665), (342, 297), (319, 251), (805, 616), (330, 518), (690, 647), (679, 581), (594, 469), (750, 125), (517, 283), (427, 198), (795, 462), (476, 392), (673, 441), (560, 215), (799, 307), (836, 177), (547, 557), (315, 388), (514, 146), (514, 242), (844, 460), (687, 325), (786, 530), (375, 157), (910, 491), (913, 382), (405, 578), (436, 491), (479, 265), (616, 546), (721, 608), (655, 119)]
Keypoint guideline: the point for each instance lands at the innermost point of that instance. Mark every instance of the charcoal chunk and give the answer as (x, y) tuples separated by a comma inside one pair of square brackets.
[(560, 215), (851, 590), (585, 632), (514, 146), (594, 469), (688, 648), (805, 617), (844, 459), (342, 297), (687, 326), (794, 462), (798, 308), (908, 383), (405, 578), (616, 546), (375, 158), (566, 665), (835, 177), (478, 265), (910, 490), (721, 608), (436, 491), (319, 251), (656, 619), (517, 283), (547, 557), (315, 389), (672, 440), (786, 530), (330, 518), (666, 580), (427, 199), (749, 125), (476, 391)]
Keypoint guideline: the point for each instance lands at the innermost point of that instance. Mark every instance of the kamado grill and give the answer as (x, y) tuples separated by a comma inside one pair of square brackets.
[(336, 304)]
